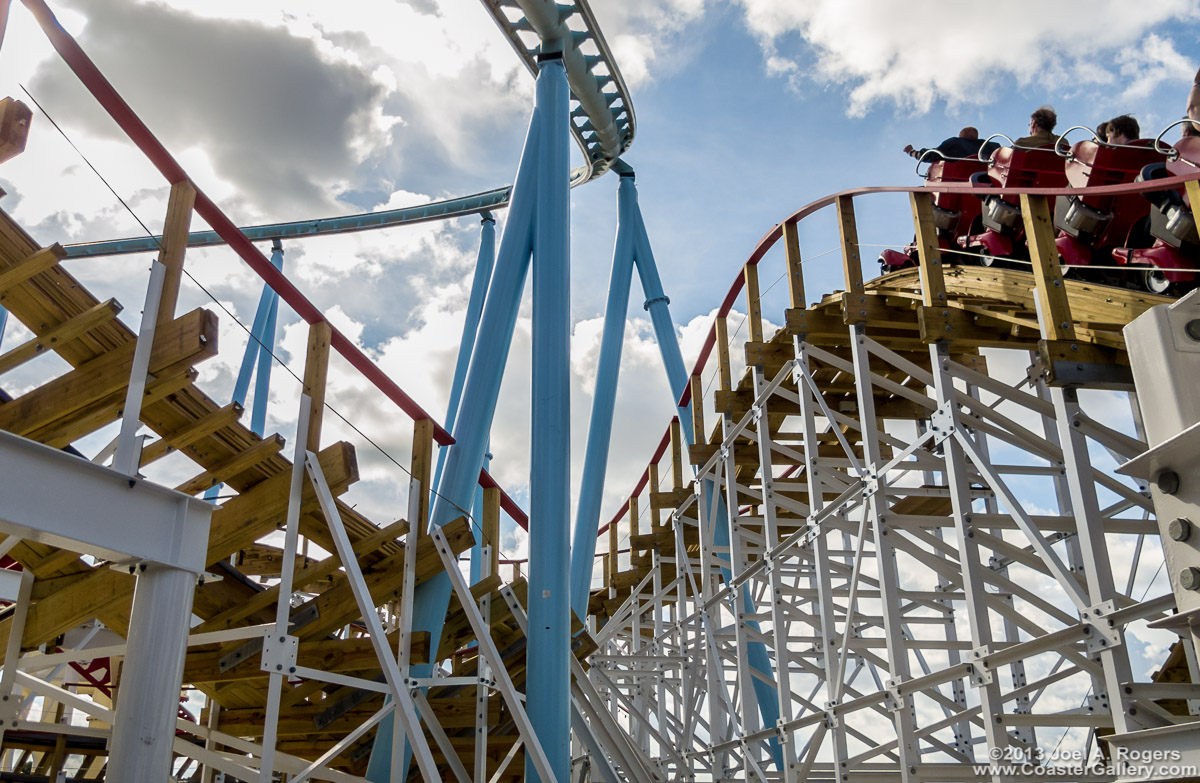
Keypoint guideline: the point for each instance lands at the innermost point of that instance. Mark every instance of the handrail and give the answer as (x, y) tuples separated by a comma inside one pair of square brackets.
[(982, 147), (1063, 135), (776, 232), (1171, 153), (940, 157)]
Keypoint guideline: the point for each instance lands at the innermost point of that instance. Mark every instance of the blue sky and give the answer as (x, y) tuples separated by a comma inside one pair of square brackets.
[(747, 109)]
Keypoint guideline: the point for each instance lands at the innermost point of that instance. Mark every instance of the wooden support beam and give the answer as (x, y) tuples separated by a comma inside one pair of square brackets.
[(184, 342), (753, 302), (491, 526), (929, 256), (301, 578), (611, 561), (31, 265), (57, 335), (848, 234), (174, 246), (218, 474), (633, 517), (697, 385), (15, 116), (1192, 187), (722, 339), (791, 246), (654, 482), (1055, 315), (422, 470), (87, 420), (316, 371), (189, 434), (676, 455)]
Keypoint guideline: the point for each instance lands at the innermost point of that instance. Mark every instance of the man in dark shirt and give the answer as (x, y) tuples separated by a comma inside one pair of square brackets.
[(965, 145)]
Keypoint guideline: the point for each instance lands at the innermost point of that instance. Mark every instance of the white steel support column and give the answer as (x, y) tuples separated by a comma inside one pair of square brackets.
[(779, 624), (889, 579), (822, 565), (148, 702), (1097, 566), (747, 699), (946, 425)]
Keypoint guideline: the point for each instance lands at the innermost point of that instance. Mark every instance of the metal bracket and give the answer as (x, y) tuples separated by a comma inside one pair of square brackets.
[(10, 712), (279, 652), (895, 700), (1104, 634), (941, 422), (981, 673), (300, 618)]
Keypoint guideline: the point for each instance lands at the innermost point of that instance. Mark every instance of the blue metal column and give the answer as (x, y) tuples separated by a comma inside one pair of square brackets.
[(466, 345), (464, 459), (657, 304), (548, 682), (260, 346), (262, 379), (595, 461), (3, 322), (477, 511)]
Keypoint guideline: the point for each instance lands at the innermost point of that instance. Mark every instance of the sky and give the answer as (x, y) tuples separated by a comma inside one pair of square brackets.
[(746, 110)]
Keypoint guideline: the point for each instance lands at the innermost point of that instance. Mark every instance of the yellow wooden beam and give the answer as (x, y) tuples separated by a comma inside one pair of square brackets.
[(185, 341), (1056, 320), (31, 265), (722, 340), (316, 371), (848, 233), (676, 455), (929, 256), (697, 385), (57, 335), (753, 302), (491, 526), (242, 461), (422, 468), (174, 246), (791, 246), (189, 434)]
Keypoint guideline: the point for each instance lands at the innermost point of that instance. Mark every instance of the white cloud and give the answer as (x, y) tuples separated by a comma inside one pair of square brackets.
[(905, 53)]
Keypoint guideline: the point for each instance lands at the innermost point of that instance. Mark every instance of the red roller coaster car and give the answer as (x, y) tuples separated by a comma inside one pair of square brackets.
[(1091, 226), (953, 213), (1170, 264), (1004, 229)]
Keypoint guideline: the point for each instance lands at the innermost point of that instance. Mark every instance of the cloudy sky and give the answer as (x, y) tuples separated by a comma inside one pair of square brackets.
[(747, 109)]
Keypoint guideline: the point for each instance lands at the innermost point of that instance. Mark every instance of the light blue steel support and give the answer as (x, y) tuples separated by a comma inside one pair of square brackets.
[(262, 380), (548, 650), (479, 285), (657, 304), (477, 508), (595, 461), (262, 333), (464, 459), (3, 322)]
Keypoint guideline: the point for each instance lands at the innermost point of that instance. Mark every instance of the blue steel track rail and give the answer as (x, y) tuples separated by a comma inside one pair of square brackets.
[(602, 123)]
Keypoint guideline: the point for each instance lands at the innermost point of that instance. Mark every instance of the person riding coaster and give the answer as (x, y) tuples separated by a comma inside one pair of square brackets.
[(1168, 266), (1091, 226), (953, 213), (954, 160)]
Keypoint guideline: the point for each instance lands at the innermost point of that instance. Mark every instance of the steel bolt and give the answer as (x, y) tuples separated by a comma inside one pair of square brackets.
[(1167, 481), (1192, 328), (1189, 578), (1179, 529)]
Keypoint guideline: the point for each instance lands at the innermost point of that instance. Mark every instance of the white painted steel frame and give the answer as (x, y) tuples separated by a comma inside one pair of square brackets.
[(864, 583)]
